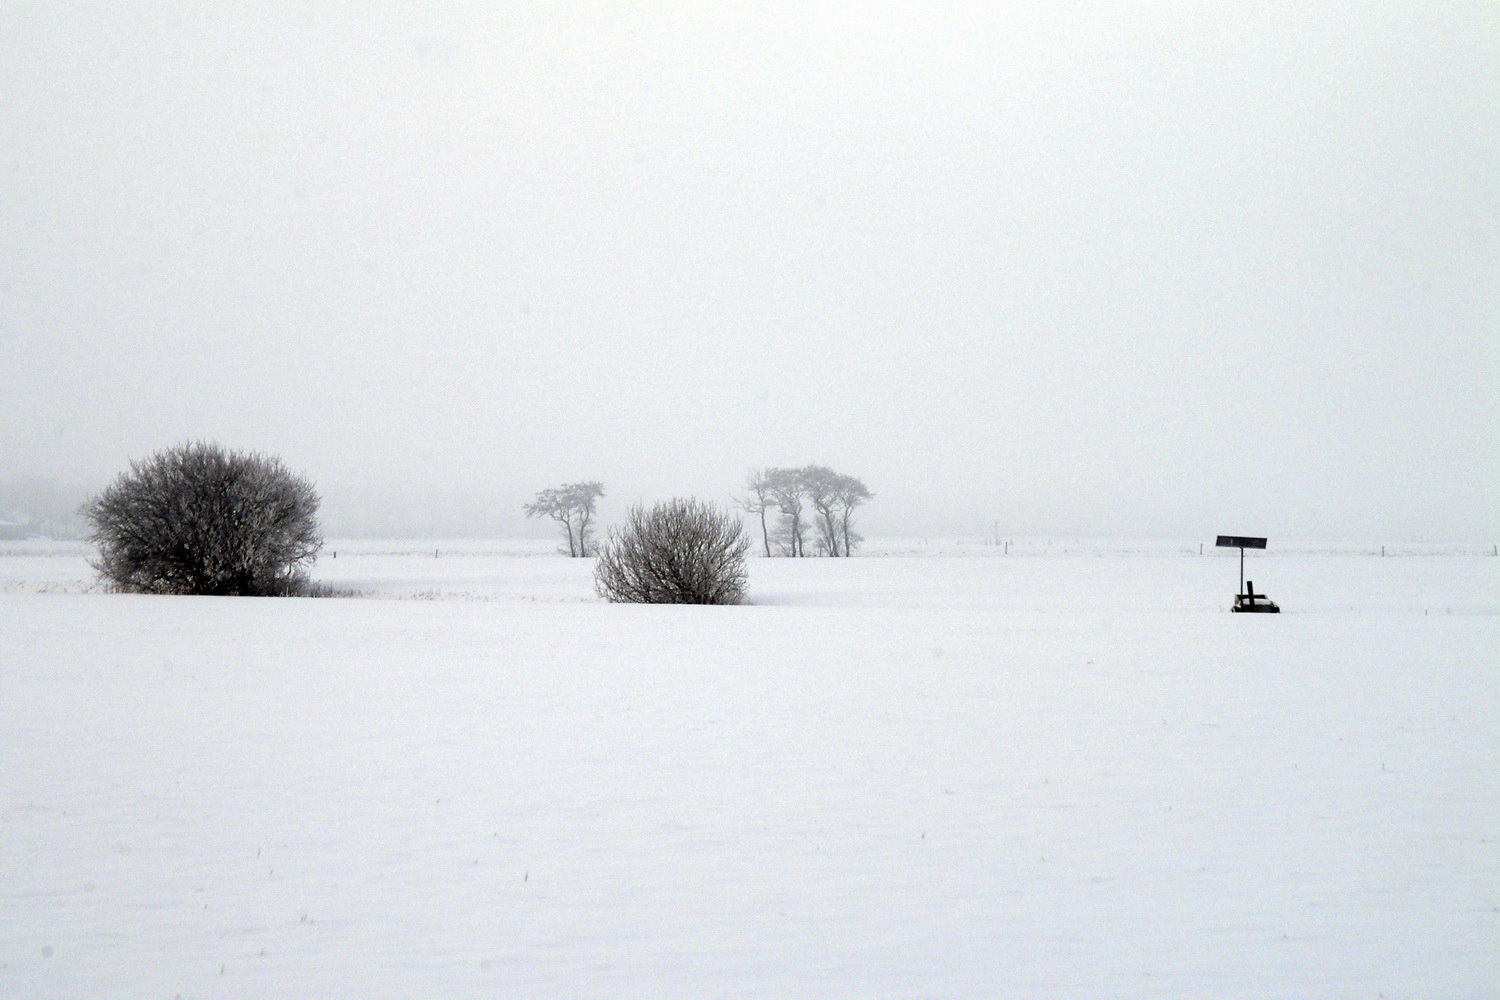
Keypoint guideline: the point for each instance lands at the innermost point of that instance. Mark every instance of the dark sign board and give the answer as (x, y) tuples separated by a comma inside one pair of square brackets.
[(1235, 541)]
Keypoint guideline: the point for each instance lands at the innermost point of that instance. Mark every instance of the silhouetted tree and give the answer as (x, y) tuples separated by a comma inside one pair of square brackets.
[(849, 493), (788, 492), (199, 519), (758, 483), (675, 552), (820, 486), (572, 506)]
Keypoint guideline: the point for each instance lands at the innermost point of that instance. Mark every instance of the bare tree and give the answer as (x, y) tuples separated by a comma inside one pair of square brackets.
[(787, 493), (820, 485), (759, 501), (199, 519), (571, 505), (676, 552), (849, 493)]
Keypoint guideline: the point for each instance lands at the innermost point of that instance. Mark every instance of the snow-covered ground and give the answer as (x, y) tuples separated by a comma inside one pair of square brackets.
[(937, 772)]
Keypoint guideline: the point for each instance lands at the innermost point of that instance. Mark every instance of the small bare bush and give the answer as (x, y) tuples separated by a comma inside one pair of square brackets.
[(199, 519), (676, 552)]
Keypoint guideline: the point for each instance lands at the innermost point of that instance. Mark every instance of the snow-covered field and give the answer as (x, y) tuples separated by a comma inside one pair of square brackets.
[(941, 771)]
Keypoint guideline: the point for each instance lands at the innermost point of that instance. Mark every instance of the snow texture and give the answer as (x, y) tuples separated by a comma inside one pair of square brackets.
[(945, 774)]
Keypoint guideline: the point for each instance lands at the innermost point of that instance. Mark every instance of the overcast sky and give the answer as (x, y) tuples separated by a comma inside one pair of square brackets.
[(1097, 268)]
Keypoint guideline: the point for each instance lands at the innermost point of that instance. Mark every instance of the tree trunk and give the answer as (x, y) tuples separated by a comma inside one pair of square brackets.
[(831, 529)]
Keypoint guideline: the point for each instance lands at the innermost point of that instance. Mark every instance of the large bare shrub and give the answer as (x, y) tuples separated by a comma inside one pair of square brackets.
[(676, 552), (199, 519)]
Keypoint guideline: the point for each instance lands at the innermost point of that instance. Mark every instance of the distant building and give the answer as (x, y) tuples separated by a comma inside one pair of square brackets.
[(39, 508)]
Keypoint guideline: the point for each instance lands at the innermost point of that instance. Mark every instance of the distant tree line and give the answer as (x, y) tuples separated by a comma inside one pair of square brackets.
[(809, 501), (38, 508), (201, 519)]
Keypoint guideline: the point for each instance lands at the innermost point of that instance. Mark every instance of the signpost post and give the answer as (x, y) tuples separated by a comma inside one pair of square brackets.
[(1245, 600)]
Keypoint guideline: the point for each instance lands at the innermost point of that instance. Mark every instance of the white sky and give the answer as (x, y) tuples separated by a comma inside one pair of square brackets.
[(1127, 268)]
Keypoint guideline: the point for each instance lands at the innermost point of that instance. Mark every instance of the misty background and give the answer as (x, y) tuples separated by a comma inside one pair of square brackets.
[(1107, 269)]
